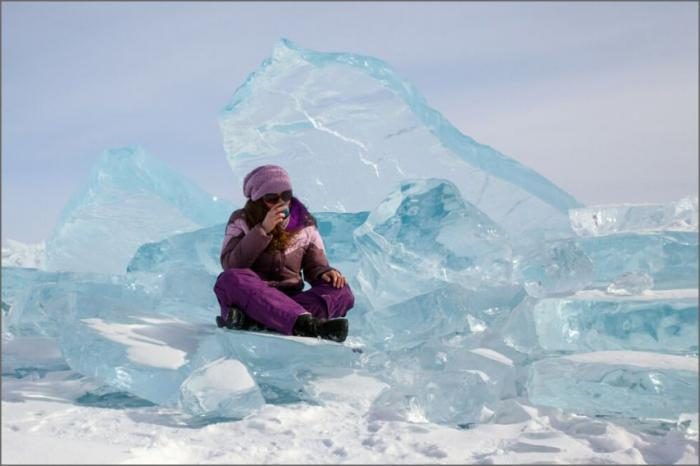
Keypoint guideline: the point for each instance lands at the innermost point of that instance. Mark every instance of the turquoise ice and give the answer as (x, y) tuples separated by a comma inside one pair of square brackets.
[(364, 129), (455, 386), (619, 384), (130, 198), (663, 322), (424, 236), (553, 267), (670, 258)]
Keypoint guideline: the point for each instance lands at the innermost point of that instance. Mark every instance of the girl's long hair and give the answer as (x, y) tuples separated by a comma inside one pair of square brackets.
[(254, 212)]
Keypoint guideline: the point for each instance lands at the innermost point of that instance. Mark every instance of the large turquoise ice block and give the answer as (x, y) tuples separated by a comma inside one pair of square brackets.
[(349, 129), (670, 258), (151, 356), (197, 249), (337, 230), (129, 199), (659, 321), (39, 302), (424, 236), (452, 311), (617, 383)]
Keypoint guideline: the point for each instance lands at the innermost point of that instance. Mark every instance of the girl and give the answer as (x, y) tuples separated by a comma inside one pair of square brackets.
[(267, 246)]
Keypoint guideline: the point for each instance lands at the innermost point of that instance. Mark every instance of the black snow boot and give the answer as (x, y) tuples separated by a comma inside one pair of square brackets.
[(239, 320), (308, 326)]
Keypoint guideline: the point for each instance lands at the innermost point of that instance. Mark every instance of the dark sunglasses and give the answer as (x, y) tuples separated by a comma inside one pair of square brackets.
[(272, 198)]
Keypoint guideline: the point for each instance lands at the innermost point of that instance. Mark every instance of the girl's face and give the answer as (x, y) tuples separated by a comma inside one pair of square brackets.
[(273, 199)]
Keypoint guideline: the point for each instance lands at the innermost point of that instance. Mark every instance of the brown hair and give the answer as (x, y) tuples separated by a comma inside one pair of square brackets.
[(254, 212)]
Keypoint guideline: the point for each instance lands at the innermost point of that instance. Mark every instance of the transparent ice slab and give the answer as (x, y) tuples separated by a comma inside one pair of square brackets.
[(364, 129), (661, 321), (669, 258), (617, 383), (129, 199)]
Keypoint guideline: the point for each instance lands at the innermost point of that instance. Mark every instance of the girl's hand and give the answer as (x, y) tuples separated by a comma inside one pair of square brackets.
[(274, 217), (336, 279)]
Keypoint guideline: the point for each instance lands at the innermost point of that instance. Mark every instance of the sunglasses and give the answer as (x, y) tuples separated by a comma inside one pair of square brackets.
[(272, 198)]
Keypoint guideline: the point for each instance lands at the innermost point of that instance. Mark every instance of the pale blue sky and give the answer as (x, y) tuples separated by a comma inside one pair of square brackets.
[(601, 98)]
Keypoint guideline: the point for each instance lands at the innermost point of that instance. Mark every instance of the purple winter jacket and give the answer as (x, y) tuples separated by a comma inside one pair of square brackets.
[(244, 247)]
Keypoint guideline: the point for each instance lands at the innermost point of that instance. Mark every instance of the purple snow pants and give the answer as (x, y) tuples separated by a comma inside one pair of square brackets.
[(273, 308)]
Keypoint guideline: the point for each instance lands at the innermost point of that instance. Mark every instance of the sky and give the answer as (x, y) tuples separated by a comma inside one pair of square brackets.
[(599, 97)]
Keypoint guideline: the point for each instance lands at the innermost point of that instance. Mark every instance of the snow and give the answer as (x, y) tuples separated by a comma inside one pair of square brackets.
[(41, 425), (141, 349)]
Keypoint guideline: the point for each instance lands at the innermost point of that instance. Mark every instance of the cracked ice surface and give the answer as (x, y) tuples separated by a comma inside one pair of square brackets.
[(326, 116)]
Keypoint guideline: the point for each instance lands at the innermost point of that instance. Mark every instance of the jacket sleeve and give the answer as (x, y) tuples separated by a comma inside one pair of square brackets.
[(315, 262), (241, 248)]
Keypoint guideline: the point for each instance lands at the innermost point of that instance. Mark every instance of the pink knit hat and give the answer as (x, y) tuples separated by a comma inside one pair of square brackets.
[(266, 179)]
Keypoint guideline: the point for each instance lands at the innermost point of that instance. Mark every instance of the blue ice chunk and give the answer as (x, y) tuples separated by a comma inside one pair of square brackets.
[(663, 322), (424, 236), (222, 388), (40, 301), (453, 386), (449, 312), (364, 129), (133, 351), (617, 383), (603, 220), (283, 365), (130, 198), (337, 229), (197, 249), (669, 258), (182, 269), (428, 351), (152, 356), (553, 267), (118, 334)]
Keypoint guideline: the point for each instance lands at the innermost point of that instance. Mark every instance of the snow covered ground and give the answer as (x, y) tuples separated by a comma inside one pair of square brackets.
[(42, 423)]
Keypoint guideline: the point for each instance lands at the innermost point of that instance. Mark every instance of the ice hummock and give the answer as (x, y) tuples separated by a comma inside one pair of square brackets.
[(448, 344), (352, 118), (129, 199), (124, 334)]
